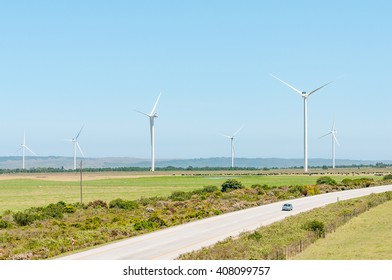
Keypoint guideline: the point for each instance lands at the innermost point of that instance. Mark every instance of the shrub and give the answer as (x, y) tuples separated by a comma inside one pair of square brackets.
[(152, 223), (5, 224), (311, 190), (180, 196), (69, 209), (255, 236), (326, 180), (53, 210), (123, 204), (231, 184), (23, 219), (97, 204), (210, 189), (347, 182), (364, 182), (316, 226), (157, 220), (387, 177), (297, 189), (140, 225)]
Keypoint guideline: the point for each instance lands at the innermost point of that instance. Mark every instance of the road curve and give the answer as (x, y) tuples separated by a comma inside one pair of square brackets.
[(169, 243)]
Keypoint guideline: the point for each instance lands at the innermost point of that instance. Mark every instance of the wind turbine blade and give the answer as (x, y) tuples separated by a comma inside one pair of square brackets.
[(238, 131), (224, 135), (30, 150), (155, 105), (336, 139), (142, 113), (325, 135), (298, 91), (313, 91), (79, 133), (80, 149)]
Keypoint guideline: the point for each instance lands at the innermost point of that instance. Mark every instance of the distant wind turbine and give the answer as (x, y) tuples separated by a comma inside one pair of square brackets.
[(24, 147), (75, 143), (334, 141), (232, 145), (305, 96), (151, 117)]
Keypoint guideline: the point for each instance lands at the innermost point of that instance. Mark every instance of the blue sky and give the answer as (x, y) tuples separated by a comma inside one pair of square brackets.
[(73, 63)]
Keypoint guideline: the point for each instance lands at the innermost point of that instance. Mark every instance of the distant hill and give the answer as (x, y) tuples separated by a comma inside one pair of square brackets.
[(112, 162)]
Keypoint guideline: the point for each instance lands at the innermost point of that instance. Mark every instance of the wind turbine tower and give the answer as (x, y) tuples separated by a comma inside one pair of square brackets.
[(334, 141), (305, 96), (232, 145), (24, 147), (75, 143), (151, 117)]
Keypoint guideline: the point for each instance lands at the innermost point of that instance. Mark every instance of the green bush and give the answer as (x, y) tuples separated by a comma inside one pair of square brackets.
[(157, 220), (347, 182), (364, 182), (387, 177), (30, 215), (210, 189), (69, 209), (231, 184), (53, 210), (180, 196), (255, 235), (123, 204), (297, 189), (24, 219), (152, 223), (5, 224), (326, 180), (316, 226)]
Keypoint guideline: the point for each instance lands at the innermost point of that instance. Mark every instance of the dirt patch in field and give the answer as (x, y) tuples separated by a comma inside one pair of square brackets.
[(70, 177)]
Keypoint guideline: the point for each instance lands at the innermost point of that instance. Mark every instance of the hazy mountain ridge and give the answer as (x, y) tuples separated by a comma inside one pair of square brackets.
[(14, 162)]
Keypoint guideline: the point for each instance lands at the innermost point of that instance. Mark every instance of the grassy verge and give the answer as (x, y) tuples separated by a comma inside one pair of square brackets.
[(367, 237), (289, 237)]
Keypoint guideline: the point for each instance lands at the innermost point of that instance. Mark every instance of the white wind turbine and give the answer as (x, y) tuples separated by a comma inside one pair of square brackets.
[(151, 117), (24, 147), (334, 141), (232, 145), (305, 96), (75, 143)]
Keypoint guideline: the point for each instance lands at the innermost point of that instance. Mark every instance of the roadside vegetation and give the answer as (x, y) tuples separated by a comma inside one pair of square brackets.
[(367, 237), (45, 232), (283, 240)]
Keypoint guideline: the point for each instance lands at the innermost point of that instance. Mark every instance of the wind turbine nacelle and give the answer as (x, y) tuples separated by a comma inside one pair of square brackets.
[(155, 115)]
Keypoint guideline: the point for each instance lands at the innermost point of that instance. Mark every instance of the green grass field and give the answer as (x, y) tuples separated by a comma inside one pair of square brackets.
[(366, 237), (21, 193)]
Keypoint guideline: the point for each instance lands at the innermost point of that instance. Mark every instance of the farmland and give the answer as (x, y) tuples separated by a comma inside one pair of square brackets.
[(21, 191), (117, 206)]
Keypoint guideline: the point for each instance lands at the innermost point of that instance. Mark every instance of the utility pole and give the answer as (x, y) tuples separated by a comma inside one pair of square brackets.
[(81, 182)]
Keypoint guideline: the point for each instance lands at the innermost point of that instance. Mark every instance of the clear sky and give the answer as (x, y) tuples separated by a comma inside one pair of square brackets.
[(64, 64)]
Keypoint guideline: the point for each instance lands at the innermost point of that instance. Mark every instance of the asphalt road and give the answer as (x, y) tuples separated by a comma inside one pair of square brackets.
[(171, 242)]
